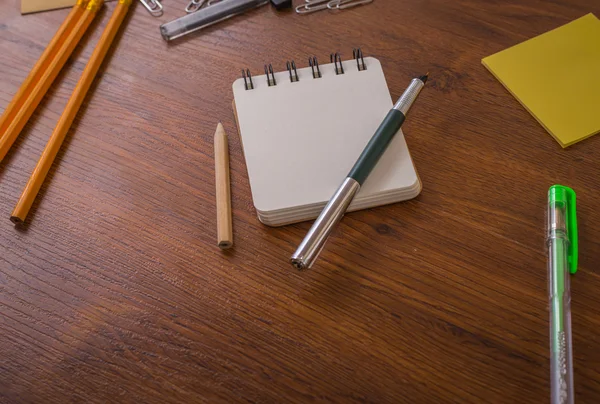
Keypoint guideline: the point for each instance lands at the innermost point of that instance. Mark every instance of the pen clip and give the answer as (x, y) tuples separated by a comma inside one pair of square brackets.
[(563, 199), (573, 253)]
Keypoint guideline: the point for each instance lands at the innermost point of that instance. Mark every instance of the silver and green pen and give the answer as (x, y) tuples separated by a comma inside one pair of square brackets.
[(313, 243), (562, 259)]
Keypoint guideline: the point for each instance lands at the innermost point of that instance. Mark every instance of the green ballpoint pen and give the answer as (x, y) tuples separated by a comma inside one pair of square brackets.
[(562, 259)]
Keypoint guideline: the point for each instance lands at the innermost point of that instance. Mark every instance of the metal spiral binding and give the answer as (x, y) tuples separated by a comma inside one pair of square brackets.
[(337, 58), (293, 76), (314, 65), (360, 60), (247, 79), (270, 75)]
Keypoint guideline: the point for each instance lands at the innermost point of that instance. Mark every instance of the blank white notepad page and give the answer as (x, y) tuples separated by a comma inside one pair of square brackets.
[(301, 139)]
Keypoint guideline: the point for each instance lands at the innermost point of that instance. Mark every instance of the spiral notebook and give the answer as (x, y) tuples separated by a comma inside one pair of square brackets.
[(303, 129)]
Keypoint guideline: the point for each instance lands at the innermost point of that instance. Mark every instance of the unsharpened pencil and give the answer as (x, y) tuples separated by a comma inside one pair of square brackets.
[(223, 190)]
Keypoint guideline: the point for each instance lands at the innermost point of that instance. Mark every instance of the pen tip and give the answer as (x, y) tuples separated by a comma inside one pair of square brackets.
[(424, 78)]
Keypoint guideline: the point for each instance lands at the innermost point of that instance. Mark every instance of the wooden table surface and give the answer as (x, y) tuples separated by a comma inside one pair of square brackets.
[(115, 291)]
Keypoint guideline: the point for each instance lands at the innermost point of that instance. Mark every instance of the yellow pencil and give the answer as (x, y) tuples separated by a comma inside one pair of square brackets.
[(43, 74), (41, 65), (49, 154)]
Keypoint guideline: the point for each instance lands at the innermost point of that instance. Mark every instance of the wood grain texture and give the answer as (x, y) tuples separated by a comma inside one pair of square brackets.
[(115, 291)]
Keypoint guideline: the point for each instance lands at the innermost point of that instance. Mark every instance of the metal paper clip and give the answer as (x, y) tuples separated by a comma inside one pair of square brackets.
[(196, 5), (344, 4), (312, 6), (154, 7)]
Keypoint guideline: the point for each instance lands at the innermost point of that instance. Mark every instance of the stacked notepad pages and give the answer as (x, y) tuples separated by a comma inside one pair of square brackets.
[(301, 138)]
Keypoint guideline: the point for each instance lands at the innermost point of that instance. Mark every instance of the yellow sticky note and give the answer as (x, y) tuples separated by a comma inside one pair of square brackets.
[(32, 6), (556, 77)]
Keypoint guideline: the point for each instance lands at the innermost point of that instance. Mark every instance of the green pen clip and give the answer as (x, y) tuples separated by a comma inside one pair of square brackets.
[(561, 195)]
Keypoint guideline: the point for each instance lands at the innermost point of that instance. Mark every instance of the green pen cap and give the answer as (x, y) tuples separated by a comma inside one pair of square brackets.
[(561, 200)]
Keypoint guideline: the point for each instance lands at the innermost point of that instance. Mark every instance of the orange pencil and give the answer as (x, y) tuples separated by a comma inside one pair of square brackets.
[(41, 65), (49, 154), (21, 112)]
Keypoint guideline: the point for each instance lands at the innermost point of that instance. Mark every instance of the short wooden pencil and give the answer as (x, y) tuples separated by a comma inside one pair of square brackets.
[(44, 73), (223, 190), (51, 150)]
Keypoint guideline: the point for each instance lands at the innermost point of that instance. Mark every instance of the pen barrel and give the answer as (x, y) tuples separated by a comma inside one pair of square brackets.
[(561, 356), (206, 17), (377, 146), (313, 243), (408, 98)]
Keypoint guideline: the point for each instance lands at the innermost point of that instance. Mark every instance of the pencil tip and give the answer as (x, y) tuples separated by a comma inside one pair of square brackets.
[(220, 129), (424, 78)]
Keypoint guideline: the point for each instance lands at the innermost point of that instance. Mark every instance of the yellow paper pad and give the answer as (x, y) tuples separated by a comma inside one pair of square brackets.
[(556, 77)]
